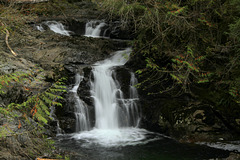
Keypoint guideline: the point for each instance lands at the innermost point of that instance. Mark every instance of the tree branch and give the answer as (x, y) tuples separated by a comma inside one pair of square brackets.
[(6, 40)]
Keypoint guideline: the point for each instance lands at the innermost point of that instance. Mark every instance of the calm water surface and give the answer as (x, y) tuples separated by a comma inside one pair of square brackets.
[(161, 148)]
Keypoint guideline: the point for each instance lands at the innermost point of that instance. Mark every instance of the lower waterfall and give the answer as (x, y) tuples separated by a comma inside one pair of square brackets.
[(117, 117), (110, 105)]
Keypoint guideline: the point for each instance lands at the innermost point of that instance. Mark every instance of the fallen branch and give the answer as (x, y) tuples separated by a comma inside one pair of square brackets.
[(6, 40)]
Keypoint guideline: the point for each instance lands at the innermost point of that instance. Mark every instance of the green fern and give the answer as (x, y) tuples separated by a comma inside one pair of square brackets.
[(10, 79), (40, 104), (36, 106)]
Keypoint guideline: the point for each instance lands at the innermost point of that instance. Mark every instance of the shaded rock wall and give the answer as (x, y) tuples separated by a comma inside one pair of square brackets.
[(186, 117)]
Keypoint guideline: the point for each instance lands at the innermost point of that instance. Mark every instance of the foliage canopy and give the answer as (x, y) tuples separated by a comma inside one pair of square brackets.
[(188, 47), (184, 43)]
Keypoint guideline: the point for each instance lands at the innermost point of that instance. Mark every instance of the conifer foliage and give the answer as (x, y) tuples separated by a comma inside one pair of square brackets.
[(185, 44), (186, 48)]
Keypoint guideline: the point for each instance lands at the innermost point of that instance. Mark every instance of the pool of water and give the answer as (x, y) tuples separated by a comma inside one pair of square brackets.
[(154, 147)]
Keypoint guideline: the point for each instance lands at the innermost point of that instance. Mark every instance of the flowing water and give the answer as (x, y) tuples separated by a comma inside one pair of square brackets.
[(80, 108), (57, 27), (93, 28), (110, 113), (54, 26)]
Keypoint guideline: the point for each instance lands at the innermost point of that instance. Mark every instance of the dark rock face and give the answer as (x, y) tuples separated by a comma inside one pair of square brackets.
[(115, 30), (76, 26), (171, 116), (84, 88), (85, 95), (122, 75), (199, 123), (186, 118), (65, 114)]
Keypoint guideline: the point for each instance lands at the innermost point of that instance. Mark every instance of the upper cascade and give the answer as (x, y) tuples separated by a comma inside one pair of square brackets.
[(55, 26), (93, 28)]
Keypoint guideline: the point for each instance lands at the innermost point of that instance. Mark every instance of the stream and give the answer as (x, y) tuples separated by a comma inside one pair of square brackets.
[(116, 133)]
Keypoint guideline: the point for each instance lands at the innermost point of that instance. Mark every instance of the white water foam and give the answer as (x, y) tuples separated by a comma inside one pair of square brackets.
[(115, 137), (58, 27), (40, 28), (104, 90)]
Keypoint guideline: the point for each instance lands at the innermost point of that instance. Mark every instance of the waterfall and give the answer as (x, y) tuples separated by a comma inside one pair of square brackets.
[(104, 91), (80, 108), (56, 27), (93, 28), (117, 116), (130, 106), (112, 109), (40, 28)]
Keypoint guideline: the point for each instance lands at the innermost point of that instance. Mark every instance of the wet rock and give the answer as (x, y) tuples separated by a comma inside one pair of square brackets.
[(54, 51), (233, 156), (77, 27), (85, 95), (85, 86), (200, 123), (196, 123), (123, 76), (118, 32), (67, 124)]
